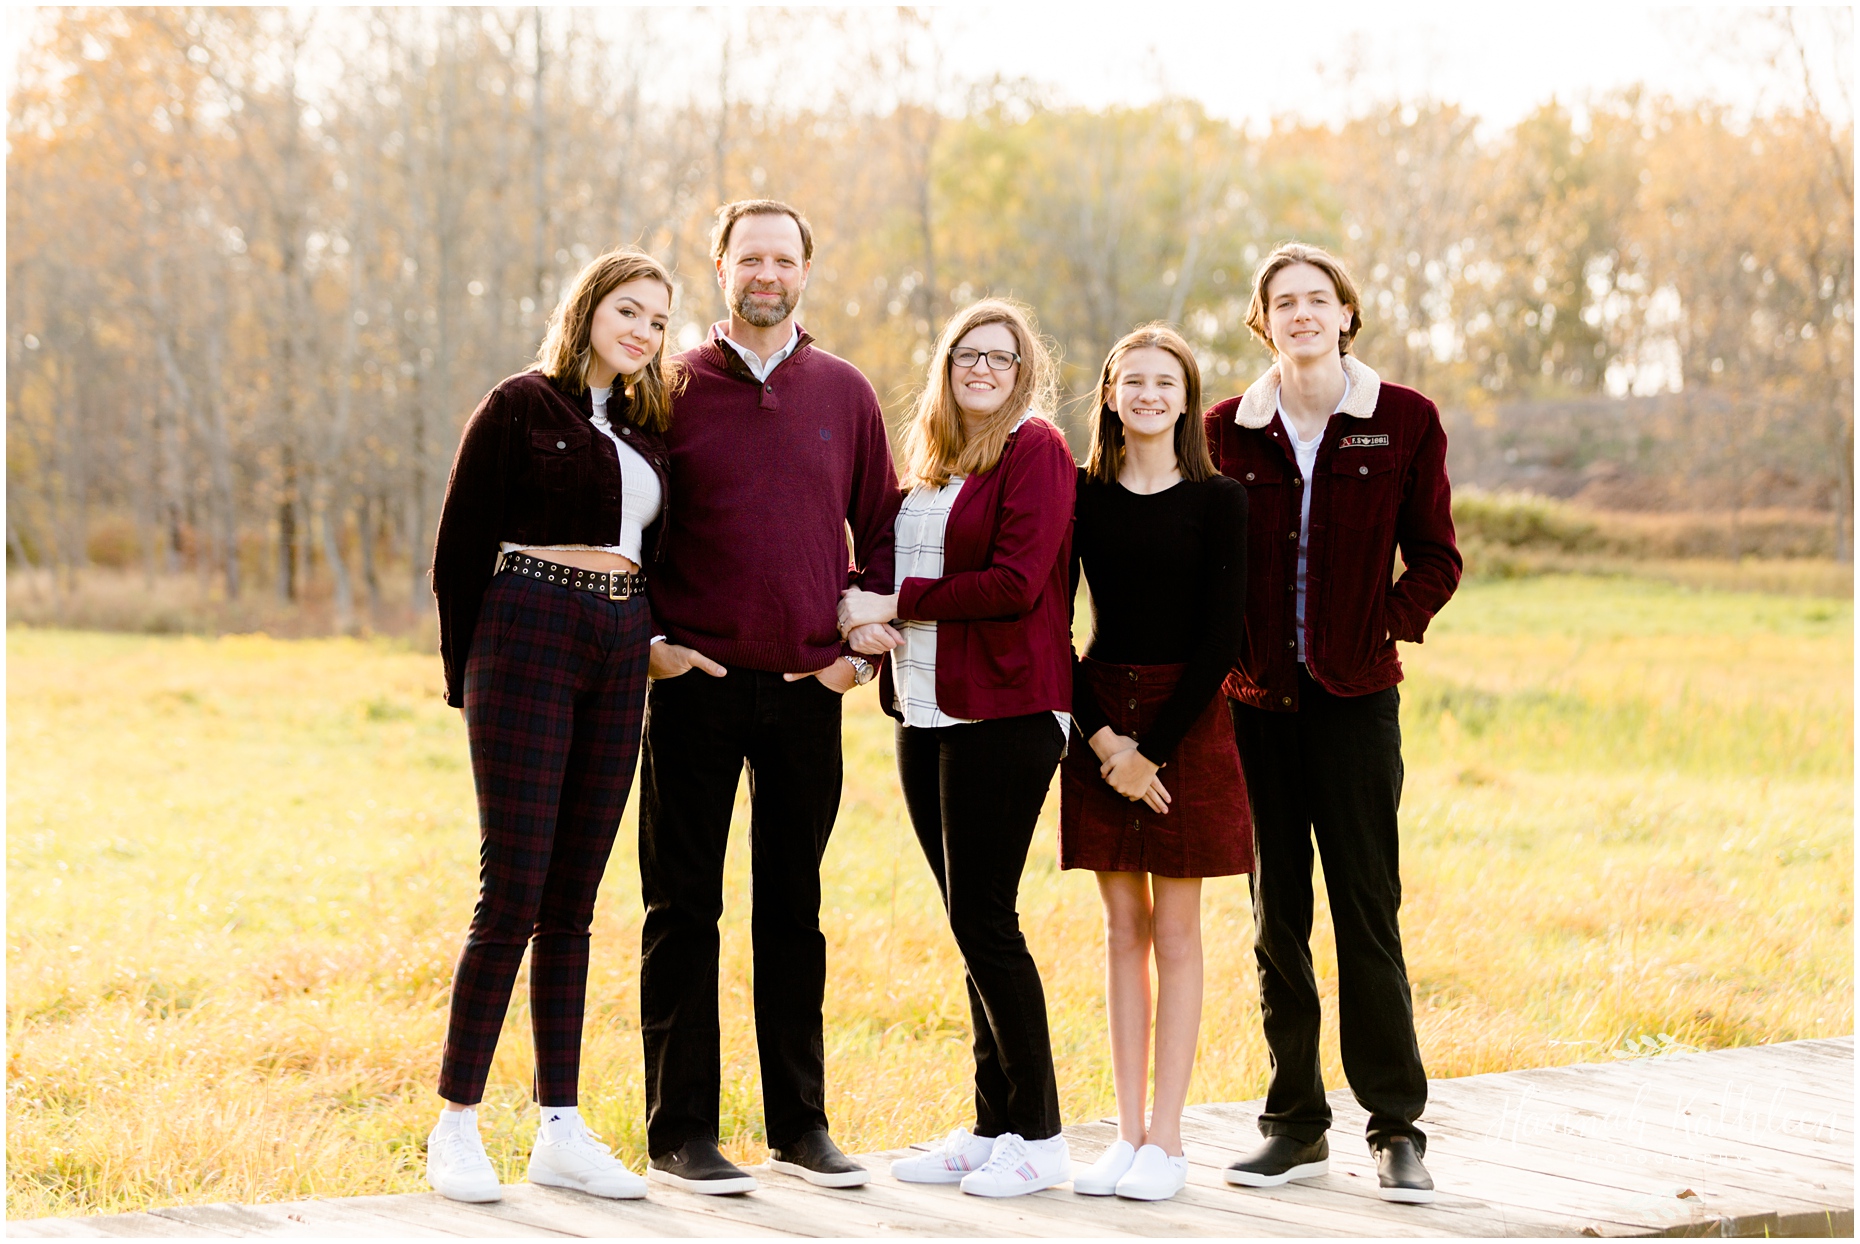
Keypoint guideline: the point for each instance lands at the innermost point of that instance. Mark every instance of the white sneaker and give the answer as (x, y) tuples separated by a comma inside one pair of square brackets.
[(1154, 1176), (583, 1163), (956, 1155), (1017, 1167), (457, 1167), (1100, 1178)]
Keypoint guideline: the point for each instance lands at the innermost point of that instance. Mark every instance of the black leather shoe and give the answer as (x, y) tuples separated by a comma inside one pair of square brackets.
[(697, 1166), (815, 1158), (1280, 1160), (1399, 1170)]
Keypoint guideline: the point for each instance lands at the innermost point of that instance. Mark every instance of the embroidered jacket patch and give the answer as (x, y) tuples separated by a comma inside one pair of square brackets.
[(1363, 441)]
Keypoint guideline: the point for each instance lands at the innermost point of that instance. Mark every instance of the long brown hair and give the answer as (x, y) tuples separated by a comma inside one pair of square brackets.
[(937, 445), (1284, 256), (566, 355), (1107, 429)]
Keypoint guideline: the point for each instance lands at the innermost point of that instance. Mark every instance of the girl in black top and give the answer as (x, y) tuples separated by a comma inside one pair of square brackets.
[(1157, 802)]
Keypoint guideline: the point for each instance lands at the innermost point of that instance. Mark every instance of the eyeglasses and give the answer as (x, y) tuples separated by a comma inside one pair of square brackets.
[(998, 360)]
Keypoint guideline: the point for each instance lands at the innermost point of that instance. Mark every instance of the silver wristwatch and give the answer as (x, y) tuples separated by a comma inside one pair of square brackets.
[(862, 670)]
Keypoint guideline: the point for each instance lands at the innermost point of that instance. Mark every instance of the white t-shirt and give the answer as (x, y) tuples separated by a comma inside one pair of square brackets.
[(640, 498), (1306, 454)]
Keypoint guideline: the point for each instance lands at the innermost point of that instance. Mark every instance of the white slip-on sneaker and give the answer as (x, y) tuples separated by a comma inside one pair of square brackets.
[(582, 1163), (457, 1167), (1100, 1178), (1017, 1167), (1154, 1176), (954, 1156)]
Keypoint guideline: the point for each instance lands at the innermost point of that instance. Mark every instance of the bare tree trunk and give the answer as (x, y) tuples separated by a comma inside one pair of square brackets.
[(539, 143)]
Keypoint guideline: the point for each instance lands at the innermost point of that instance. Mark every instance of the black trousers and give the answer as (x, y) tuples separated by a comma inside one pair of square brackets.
[(974, 793), (700, 733), (1332, 770)]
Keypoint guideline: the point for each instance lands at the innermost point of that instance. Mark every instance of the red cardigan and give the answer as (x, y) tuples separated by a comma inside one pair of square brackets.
[(1002, 608), (1380, 485)]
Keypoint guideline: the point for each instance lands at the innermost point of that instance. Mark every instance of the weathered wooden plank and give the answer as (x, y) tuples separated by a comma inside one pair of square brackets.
[(436, 1213), (226, 1218), (1470, 1205), (107, 1226), (341, 1219), (1766, 1149), (1580, 1194), (662, 1214), (896, 1205), (1755, 1102), (1643, 1129), (1346, 1203), (1551, 1181)]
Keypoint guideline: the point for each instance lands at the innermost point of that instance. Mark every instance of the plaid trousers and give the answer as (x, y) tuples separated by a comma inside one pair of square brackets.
[(555, 692)]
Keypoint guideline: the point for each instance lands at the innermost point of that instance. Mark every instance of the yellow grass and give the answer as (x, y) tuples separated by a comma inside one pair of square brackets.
[(238, 870)]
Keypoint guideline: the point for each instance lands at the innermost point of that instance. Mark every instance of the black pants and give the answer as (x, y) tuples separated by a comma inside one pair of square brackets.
[(700, 731), (1332, 768), (974, 792)]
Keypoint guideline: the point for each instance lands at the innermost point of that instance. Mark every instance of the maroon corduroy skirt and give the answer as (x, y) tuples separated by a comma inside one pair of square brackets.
[(1208, 830)]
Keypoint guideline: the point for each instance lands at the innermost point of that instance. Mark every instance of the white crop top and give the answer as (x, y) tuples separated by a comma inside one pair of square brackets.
[(639, 494)]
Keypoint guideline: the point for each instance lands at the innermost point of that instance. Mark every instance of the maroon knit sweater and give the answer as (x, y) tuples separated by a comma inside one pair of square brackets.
[(768, 476)]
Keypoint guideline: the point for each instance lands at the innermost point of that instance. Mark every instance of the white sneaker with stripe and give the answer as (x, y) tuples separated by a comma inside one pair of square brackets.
[(1017, 1167), (955, 1156)]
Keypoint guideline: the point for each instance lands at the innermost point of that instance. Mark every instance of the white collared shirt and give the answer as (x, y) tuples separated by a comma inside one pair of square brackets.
[(757, 368), (1306, 454)]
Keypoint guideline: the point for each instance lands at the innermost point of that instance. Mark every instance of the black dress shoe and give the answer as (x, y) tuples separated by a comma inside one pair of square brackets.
[(697, 1166), (1280, 1160), (1399, 1170), (815, 1158)]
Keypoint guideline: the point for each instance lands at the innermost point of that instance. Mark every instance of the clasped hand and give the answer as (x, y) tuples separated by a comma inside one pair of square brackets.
[(865, 620), (1128, 771)]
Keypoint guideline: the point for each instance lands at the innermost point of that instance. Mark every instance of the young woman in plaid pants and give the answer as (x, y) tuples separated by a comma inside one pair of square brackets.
[(556, 499)]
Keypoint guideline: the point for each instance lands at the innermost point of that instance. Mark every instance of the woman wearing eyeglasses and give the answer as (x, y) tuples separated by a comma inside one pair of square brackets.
[(981, 684)]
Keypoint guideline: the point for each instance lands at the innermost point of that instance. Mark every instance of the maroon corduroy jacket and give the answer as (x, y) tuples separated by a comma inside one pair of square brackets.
[(1380, 484), (768, 477), (531, 469), (1002, 608)]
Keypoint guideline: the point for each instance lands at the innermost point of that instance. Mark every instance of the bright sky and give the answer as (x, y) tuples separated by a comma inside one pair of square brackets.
[(1253, 61)]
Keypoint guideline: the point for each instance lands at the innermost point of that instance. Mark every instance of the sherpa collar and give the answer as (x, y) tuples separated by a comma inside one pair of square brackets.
[(1261, 402)]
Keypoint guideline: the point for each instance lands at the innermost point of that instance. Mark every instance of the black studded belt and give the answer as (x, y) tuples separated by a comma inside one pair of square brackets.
[(613, 584)]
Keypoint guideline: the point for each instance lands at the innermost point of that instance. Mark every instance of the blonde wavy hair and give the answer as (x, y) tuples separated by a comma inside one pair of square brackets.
[(566, 355), (937, 445)]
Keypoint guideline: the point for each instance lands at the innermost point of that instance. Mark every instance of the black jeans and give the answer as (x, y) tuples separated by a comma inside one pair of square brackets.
[(1334, 768), (974, 793), (700, 731)]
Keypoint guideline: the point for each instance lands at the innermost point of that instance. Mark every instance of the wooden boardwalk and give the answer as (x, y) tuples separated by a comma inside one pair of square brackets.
[(1755, 1141)]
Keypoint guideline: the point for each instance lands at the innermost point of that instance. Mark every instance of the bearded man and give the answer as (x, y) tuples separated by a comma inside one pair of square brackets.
[(776, 447)]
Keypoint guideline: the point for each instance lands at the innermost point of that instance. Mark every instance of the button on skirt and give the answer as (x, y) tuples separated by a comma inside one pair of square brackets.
[(1208, 830)]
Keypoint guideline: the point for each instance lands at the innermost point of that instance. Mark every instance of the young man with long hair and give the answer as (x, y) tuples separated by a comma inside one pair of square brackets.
[(1342, 471)]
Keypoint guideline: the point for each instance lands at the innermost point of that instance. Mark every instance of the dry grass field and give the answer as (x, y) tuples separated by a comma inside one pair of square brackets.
[(238, 869)]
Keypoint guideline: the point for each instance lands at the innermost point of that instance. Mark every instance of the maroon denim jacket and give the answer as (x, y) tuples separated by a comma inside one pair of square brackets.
[(1380, 483), (531, 469), (1003, 606)]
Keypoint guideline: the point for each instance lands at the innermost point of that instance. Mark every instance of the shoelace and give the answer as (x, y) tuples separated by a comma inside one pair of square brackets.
[(1010, 1151), (455, 1148), (950, 1150), (588, 1144)]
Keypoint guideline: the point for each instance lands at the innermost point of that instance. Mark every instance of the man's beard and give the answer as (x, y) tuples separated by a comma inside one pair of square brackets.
[(764, 315)]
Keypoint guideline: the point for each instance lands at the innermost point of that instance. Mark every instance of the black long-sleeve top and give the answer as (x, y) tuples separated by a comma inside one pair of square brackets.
[(1168, 587)]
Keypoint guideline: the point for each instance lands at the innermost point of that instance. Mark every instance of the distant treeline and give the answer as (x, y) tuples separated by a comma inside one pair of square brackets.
[(261, 264)]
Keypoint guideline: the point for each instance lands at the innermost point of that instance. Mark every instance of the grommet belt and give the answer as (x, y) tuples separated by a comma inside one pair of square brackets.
[(613, 584)]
